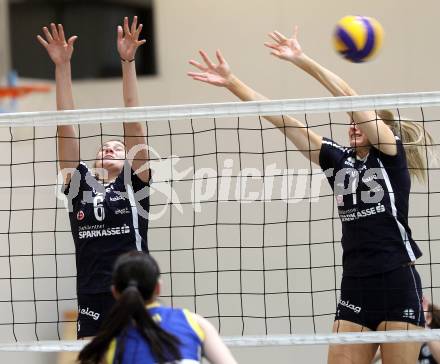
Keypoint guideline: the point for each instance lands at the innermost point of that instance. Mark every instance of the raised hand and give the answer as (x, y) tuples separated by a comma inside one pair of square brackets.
[(285, 48), (128, 39), (60, 51), (214, 74)]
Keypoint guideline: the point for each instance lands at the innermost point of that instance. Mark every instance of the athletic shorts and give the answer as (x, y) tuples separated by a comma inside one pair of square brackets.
[(389, 296), (92, 311)]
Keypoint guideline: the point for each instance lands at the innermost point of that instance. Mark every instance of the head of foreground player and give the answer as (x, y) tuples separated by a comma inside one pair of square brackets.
[(135, 284)]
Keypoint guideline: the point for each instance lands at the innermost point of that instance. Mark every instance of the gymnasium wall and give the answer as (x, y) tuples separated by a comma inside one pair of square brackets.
[(408, 61)]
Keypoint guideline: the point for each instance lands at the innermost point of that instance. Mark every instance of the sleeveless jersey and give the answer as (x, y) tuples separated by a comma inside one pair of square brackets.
[(106, 221), (178, 322), (372, 197)]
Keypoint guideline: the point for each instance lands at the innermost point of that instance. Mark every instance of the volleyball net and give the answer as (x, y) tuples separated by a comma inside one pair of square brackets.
[(245, 229)]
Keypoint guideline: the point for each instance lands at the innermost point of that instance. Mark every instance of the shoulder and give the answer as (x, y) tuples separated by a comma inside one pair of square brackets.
[(391, 160), (128, 176), (83, 166), (331, 144), (81, 169), (78, 177), (332, 154), (109, 356), (196, 322), (399, 144)]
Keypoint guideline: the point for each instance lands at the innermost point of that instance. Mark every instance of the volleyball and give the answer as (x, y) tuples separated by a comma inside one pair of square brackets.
[(358, 38)]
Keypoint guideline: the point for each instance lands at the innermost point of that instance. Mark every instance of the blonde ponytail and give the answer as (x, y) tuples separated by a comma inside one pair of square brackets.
[(417, 141)]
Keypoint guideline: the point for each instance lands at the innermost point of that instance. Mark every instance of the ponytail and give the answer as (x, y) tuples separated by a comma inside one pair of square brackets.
[(135, 277), (416, 140), (130, 309)]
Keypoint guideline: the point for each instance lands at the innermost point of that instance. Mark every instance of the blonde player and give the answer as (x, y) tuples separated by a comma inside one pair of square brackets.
[(380, 288)]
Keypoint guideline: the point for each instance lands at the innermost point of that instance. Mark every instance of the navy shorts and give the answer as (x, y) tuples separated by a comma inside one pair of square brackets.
[(389, 296), (92, 311)]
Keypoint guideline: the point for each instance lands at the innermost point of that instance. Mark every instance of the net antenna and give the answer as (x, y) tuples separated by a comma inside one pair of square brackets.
[(254, 286)]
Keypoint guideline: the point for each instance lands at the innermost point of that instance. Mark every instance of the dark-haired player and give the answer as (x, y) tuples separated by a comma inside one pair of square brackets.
[(108, 207)]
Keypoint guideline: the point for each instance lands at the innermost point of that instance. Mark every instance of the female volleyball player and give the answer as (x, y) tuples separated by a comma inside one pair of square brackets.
[(140, 330), (380, 289), (108, 210)]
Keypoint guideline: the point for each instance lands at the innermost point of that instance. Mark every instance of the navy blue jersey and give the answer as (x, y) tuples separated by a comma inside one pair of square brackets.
[(372, 196), (106, 221)]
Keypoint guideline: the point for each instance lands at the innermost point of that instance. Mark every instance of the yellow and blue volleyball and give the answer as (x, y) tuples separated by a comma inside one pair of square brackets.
[(358, 38)]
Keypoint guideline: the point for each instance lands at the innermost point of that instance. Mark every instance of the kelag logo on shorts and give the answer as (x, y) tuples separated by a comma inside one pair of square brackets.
[(350, 306), (87, 312)]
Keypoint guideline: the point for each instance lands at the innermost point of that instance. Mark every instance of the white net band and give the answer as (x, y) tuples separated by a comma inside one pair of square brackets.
[(258, 341), (219, 110)]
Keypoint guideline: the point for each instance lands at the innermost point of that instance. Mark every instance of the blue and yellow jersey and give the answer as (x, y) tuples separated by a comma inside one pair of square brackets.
[(178, 322)]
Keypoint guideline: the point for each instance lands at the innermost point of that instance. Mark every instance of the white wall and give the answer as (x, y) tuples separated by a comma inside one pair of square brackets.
[(408, 62)]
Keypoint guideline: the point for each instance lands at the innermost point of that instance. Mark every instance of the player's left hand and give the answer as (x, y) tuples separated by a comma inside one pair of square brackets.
[(128, 39), (285, 48), (214, 74)]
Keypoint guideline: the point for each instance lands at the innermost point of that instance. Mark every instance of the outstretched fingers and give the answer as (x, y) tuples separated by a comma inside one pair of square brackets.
[(42, 41), (198, 65), (220, 58), (211, 73), (137, 32), (132, 31), (206, 59), (47, 35), (280, 36), (120, 33), (62, 37), (196, 74), (54, 31), (126, 27), (275, 51), (134, 25), (199, 77), (270, 45), (275, 37), (72, 40), (295, 32)]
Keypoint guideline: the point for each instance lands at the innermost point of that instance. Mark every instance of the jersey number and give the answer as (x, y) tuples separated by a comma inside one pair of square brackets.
[(98, 207)]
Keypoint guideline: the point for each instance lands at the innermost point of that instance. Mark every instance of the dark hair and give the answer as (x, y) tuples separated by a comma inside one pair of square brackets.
[(135, 277), (434, 311)]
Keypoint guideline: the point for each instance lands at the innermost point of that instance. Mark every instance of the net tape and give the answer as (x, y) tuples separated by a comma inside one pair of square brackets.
[(258, 341), (218, 110)]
